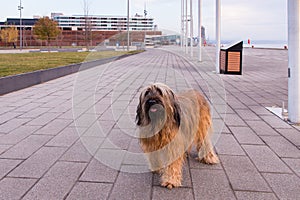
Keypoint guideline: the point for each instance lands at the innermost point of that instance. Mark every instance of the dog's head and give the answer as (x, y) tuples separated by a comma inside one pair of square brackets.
[(157, 104)]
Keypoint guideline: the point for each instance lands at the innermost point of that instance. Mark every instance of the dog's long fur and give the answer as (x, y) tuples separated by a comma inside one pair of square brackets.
[(178, 122)]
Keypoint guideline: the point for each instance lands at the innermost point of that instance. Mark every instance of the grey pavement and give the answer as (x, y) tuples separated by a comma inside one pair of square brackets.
[(75, 137)]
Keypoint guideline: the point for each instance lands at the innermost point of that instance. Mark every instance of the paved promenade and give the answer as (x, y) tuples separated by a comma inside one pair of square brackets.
[(75, 137)]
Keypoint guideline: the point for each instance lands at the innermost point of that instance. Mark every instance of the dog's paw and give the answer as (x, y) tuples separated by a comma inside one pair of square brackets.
[(210, 158), (170, 185)]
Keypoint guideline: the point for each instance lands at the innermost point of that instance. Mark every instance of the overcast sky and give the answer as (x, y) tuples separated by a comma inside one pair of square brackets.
[(241, 19)]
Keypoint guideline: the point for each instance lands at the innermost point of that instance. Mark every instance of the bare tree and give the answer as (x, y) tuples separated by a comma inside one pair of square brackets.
[(87, 23)]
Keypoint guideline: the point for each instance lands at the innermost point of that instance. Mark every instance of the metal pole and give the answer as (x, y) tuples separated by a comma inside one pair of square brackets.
[(186, 27), (128, 39), (294, 60), (199, 30), (21, 31), (182, 24), (191, 26), (218, 35)]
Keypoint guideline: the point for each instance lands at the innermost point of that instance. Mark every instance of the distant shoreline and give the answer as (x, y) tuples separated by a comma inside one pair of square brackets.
[(258, 44)]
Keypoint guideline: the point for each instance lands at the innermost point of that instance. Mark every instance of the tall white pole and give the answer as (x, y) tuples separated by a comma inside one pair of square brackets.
[(218, 35), (186, 27), (21, 27), (182, 24), (128, 39), (294, 60), (191, 27), (199, 30)]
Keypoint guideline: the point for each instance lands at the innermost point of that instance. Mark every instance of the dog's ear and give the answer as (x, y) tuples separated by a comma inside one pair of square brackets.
[(177, 112), (138, 117), (176, 107)]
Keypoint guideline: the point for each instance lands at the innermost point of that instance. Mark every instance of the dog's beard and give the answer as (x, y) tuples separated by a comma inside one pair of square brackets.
[(156, 116)]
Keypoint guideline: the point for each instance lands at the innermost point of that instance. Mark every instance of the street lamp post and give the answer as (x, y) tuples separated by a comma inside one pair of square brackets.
[(218, 35), (21, 31), (199, 30), (191, 26), (182, 24), (186, 26), (128, 25)]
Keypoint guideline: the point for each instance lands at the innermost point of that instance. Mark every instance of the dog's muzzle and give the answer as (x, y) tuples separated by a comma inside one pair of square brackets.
[(153, 106)]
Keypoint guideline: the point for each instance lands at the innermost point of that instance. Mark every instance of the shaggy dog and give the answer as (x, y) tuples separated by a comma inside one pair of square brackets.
[(169, 125)]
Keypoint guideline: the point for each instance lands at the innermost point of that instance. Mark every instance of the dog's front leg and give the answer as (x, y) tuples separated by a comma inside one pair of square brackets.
[(172, 175)]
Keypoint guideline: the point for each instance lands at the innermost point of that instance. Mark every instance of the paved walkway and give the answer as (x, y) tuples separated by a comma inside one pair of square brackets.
[(46, 154)]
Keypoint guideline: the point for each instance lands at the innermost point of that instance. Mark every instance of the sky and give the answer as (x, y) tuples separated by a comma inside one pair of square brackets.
[(241, 19)]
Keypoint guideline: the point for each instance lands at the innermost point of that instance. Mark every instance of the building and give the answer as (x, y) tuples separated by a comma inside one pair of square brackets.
[(103, 23), (172, 39), (78, 30)]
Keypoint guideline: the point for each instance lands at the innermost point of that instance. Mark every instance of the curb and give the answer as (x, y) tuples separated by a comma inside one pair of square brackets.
[(17, 82)]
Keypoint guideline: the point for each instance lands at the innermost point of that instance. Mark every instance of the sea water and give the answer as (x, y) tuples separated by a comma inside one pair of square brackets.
[(272, 44)]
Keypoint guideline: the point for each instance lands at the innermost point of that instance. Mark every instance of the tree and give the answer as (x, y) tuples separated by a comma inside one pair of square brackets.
[(87, 23), (46, 29), (9, 35)]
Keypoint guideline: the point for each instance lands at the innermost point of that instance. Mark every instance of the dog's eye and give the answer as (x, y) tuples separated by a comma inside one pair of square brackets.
[(147, 92), (159, 91)]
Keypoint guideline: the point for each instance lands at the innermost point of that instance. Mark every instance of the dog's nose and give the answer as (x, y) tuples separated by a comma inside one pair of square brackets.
[(152, 101)]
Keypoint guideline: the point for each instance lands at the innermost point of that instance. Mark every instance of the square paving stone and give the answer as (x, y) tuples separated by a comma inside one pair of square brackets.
[(8, 116), (132, 186), (259, 110), (243, 175), (77, 153), (18, 134), (6, 165), (28, 107), (261, 128), (57, 182), (15, 188), (276, 122), (65, 138), (34, 113), (211, 184), (227, 145), (98, 172), (286, 186), (4, 147), (233, 120), (12, 125), (39, 163), (160, 193), (265, 159), (247, 114), (245, 135), (293, 135), (294, 164), (85, 190), (26, 147), (282, 147), (254, 195), (54, 127), (44, 119)]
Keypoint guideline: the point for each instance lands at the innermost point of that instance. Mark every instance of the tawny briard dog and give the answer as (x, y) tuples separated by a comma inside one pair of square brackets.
[(169, 125)]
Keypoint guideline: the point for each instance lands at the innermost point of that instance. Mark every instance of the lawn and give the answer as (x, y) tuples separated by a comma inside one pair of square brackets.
[(12, 64)]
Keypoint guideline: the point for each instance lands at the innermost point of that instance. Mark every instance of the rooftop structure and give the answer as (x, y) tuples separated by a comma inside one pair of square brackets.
[(104, 23), (27, 23)]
